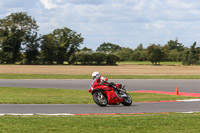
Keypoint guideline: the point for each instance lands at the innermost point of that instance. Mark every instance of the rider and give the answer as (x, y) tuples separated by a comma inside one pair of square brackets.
[(101, 80)]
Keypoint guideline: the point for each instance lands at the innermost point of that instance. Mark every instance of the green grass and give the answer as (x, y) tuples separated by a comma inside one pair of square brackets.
[(149, 63), (16, 95), (149, 123), (66, 76), (145, 97)]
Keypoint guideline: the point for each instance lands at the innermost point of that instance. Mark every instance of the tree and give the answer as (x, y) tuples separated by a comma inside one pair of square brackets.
[(139, 47), (173, 51), (32, 51), (99, 58), (192, 56), (139, 54), (185, 60), (124, 54), (65, 42), (174, 55), (3, 57), (84, 58), (108, 48), (86, 50), (175, 45), (48, 48), (15, 31), (154, 54), (112, 59)]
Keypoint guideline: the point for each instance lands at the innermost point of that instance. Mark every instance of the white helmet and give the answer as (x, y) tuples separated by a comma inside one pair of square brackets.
[(95, 74)]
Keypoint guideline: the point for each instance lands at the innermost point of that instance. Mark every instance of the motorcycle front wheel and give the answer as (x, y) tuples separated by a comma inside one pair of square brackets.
[(127, 101), (100, 99)]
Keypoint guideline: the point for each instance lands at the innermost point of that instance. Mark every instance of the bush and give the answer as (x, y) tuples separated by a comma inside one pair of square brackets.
[(154, 53), (124, 54), (84, 58), (139, 55), (192, 56), (112, 59), (99, 58)]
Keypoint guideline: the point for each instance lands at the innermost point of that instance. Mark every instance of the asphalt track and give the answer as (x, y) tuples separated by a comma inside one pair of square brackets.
[(192, 86), (92, 108)]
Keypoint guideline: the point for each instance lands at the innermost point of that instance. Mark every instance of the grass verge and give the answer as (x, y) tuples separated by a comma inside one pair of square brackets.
[(66, 76), (149, 123), (17, 95)]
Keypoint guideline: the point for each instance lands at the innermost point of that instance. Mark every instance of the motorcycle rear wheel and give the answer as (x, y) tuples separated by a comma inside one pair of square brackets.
[(127, 101), (100, 99)]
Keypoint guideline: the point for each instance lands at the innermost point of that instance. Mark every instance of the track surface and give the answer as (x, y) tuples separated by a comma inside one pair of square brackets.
[(192, 86), (92, 108)]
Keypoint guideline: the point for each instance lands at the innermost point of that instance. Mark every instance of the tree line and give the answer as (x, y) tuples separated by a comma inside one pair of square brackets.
[(20, 42)]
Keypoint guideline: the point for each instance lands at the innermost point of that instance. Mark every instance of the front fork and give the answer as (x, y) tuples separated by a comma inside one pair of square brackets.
[(122, 92)]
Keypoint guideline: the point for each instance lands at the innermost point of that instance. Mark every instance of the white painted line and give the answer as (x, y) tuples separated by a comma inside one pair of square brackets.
[(54, 114), (16, 114), (189, 100), (190, 112)]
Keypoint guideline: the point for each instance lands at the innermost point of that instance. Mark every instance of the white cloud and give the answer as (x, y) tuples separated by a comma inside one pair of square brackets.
[(158, 25), (127, 22), (124, 22), (181, 4), (49, 4)]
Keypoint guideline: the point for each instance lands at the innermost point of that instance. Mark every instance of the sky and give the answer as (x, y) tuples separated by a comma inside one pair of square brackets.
[(123, 22)]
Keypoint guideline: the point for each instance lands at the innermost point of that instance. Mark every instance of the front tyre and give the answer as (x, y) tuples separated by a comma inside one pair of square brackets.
[(100, 99), (127, 101)]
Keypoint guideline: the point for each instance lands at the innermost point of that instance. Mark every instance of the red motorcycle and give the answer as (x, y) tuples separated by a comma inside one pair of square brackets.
[(109, 93)]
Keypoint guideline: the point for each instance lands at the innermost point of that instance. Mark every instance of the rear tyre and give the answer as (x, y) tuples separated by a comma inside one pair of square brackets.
[(127, 101), (100, 99)]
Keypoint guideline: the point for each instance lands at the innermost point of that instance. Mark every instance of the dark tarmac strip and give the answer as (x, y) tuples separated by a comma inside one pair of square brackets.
[(185, 85), (92, 108)]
